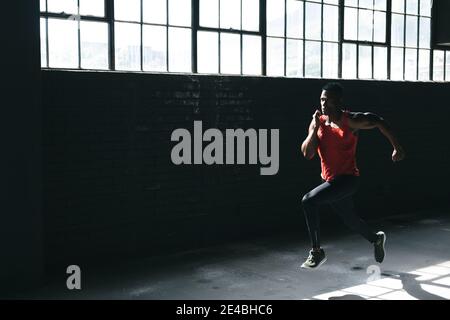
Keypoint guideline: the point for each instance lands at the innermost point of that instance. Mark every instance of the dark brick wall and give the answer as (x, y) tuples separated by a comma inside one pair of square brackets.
[(21, 238), (112, 191)]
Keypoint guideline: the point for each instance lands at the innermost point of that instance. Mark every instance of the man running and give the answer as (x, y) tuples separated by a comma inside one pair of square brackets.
[(333, 134)]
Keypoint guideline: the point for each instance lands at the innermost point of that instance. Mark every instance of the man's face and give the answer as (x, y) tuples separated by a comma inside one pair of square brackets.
[(329, 102)]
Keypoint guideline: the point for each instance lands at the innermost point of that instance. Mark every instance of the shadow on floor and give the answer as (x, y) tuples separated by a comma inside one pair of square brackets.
[(413, 288), (410, 285)]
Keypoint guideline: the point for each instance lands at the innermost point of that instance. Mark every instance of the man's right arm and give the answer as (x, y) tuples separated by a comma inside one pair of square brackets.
[(309, 146)]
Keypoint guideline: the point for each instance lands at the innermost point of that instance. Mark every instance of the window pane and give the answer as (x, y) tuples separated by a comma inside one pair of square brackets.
[(275, 57), (425, 33), (43, 43), (350, 21), (351, 3), (398, 6), (397, 64), (424, 65), (294, 56), (209, 13), (447, 66), (59, 6), (92, 8), (208, 52), (230, 53), (366, 4), (365, 62), (180, 50), (313, 19), (63, 43), (127, 10), (250, 15), (380, 27), (230, 14), (365, 25), (411, 64), (294, 18), (94, 45), (127, 46), (42, 6), (380, 63), (438, 65), (412, 6), (425, 8), (312, 59), (411, 31), (275, 18), (330, 60), (380, 5), (154, 40), (330, 24), (155, 11), (349, 61), (251, 51), (180, 13), (397, 30)]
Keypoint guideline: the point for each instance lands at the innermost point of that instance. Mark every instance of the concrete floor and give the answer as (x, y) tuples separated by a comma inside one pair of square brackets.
[(417, 266)]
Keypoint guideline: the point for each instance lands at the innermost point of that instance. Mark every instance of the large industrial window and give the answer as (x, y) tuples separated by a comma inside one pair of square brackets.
[(411, 40), (74, 34), (229, 37), (303, 38), (350, 39), (364, 49), (152, 35)]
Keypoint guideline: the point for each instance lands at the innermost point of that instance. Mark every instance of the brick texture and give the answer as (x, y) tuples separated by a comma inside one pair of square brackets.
[(111, 190)]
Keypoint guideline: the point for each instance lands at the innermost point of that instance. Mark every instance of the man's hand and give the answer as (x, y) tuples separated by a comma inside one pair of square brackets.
[(316, 119), (309, 146), (398, 154)]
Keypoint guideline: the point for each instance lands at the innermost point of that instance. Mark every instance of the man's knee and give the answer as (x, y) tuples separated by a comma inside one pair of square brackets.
[(307, 200)]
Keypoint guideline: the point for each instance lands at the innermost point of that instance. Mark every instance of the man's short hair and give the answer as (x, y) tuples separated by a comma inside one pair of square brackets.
[(335, 88)]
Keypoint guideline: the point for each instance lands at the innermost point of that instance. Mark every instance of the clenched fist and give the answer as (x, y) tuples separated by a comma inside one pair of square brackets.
[(398, 154), (316, 118)]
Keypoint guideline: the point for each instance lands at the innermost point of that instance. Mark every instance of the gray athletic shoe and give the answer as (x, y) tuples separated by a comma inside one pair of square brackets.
[(315, 260), (379, 247)]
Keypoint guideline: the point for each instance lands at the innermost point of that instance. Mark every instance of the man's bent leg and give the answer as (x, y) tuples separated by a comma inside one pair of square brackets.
[(310, 203), (346, 210), (327, 193)]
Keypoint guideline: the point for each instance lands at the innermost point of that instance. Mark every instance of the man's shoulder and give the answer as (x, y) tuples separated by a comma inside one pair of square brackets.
[(354, 114), (357, 115)]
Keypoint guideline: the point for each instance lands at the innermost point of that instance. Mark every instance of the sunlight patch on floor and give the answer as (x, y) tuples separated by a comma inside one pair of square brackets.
[(432, 282)]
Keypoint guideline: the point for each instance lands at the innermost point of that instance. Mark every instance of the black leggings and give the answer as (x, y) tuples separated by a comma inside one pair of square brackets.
[(338, 195)]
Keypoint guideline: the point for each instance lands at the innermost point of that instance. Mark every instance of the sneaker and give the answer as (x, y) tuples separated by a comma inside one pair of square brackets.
[(315, 260), (379, 247)]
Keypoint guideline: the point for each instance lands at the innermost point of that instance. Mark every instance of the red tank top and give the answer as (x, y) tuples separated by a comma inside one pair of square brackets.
[(337, 149)]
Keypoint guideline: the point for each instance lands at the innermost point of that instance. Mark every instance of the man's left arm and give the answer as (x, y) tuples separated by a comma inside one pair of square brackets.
[(367, 121)]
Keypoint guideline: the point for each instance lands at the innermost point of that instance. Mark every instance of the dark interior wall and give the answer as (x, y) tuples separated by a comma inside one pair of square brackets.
[(441, 22), (111, 189), (21, 239)]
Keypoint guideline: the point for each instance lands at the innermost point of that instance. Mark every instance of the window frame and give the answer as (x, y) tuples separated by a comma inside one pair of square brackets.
[(418, 48), (372, 44), (196, 27), (262, 33), (79, 18)]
